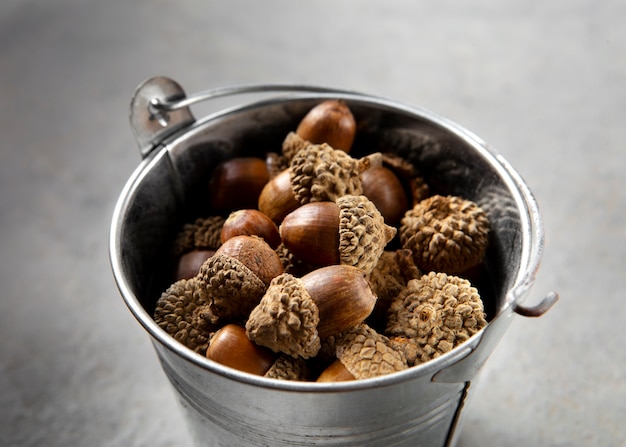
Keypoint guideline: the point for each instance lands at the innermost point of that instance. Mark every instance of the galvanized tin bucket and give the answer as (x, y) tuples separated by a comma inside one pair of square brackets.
[(422, 406)]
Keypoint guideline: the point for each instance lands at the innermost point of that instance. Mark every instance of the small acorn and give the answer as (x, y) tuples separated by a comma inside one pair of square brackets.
[(349, 231), (446, 234), (385, 190), (330, 122), (254, 253), (251, 222), (363, 353), (295, 312), (277, 199), (189, 263), (238, 274), (182, 311), (434, 314), (336, 372), (237, 183), (230, 346)]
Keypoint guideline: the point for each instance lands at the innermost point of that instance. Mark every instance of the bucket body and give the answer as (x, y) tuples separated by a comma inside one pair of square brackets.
[(422, 406)]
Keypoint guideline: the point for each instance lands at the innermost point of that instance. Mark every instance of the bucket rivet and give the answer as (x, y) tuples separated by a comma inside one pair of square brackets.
[(160, 116)]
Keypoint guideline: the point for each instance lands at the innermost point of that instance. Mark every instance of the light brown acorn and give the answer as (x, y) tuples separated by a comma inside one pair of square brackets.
[(362, 353), (189, 263), (330, 122), (237, 276), (254, 253), (349, 231), (237, 183), (251, 222), (385, 189), (295, 312), (277, 199), (230, 346)]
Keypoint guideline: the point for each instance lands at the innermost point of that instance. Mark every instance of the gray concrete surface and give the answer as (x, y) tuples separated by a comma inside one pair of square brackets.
[(543, 82)]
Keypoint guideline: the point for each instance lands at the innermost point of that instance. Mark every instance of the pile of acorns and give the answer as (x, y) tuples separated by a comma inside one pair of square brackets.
[(294, 276)]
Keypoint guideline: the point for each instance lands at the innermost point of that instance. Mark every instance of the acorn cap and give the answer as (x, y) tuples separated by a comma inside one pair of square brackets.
[(233, 288), (286, 319), (292, 144), (436, 312), (182, 311), (287, 367), (363, 233), (366, 353), (446, 234), (321, 173), (203, 233)]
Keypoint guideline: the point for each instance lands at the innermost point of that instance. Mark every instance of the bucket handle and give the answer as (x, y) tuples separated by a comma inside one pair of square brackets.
[(538, 309), (159, 107)]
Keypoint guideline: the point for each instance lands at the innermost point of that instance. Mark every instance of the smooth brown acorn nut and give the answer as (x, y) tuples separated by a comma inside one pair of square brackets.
[(189, 263), (349, 231), (230, 346), (237, 183), (251, 222), (384, 188), (277, 199), (343, 297), (255, 254), (329, 122), (311, 233), (336, 372), (295, 313)]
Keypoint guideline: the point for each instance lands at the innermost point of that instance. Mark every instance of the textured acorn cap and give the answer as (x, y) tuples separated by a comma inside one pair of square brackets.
[(436, 312), (321, 173), (203, 233), (363, 233), (287, 367), (286, 319), (366, 353), (233, 288), (292, 144), (182, 311), (445, 233)]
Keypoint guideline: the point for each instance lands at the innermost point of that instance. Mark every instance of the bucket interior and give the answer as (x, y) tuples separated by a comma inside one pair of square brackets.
[(170, 187)]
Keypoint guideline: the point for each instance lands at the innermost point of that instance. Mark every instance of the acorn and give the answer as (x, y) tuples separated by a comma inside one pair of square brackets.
[(238, 274), (250, 222), (434, 314), (363, 353), (189, 263), (277, 199), (295, 312), (316, 173), (237, 183), (255, 254), (182, 311), (385, 190), (349, 231), (330, 122), (230, 346), (445, 233)]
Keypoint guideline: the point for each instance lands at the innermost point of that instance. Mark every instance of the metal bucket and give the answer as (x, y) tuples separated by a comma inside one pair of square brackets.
[(422, 406)]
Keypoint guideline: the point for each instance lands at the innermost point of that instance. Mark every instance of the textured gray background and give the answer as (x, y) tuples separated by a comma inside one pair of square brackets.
[(543, 82)]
